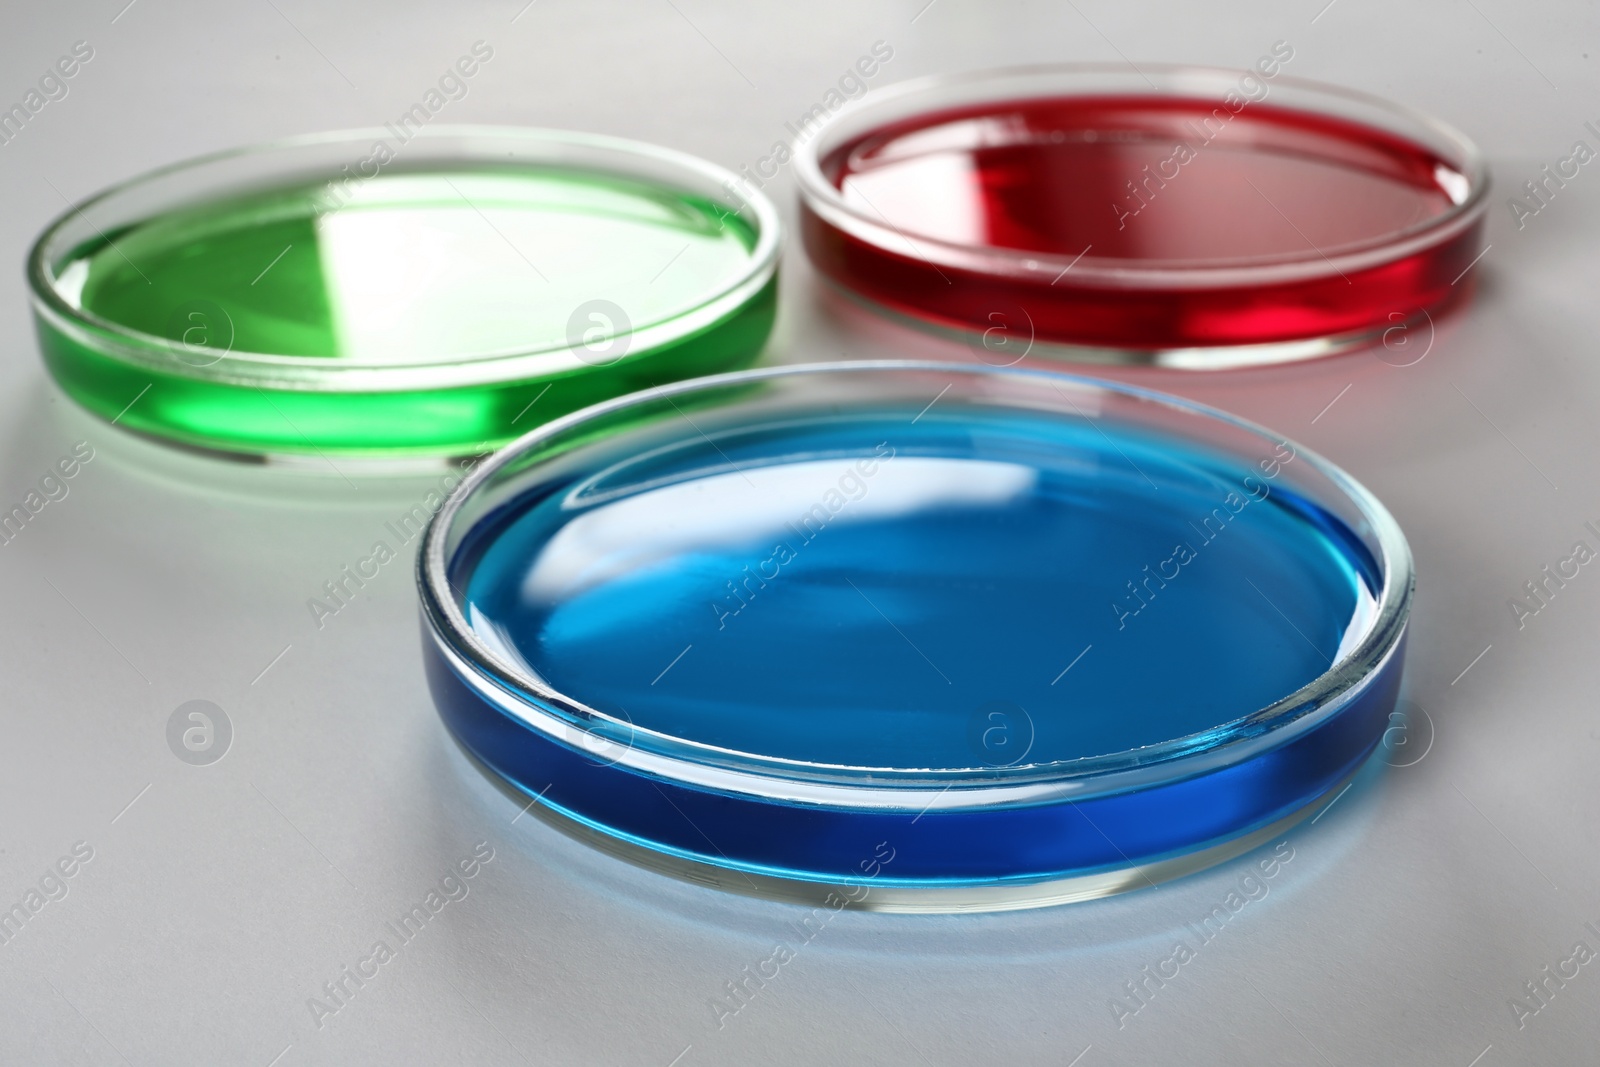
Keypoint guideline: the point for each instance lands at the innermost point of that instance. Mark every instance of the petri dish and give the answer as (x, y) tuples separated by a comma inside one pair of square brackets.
[(930, 637), (1185, 217), (353, 294)]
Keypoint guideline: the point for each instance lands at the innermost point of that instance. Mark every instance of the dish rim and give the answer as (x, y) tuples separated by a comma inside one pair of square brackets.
[(1163, 80), (566, 718), (328, 374)]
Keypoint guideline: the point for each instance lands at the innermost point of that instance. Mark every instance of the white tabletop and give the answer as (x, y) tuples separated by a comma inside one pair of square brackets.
[(218, 899)]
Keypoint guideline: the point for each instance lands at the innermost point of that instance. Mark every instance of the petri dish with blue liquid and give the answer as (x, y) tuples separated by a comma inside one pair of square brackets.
[(933, 637)]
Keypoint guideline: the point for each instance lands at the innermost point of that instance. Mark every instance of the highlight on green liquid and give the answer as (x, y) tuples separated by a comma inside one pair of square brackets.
[(437, 308)]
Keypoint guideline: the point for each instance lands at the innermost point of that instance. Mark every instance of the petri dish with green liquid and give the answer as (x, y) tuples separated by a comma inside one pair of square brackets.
[(352, 294)]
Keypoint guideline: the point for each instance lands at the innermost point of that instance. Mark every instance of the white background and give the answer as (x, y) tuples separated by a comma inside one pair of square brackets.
[(224, 896)]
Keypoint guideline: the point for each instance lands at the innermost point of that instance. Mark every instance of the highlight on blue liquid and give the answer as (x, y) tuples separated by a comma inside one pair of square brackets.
[(1037, 637)]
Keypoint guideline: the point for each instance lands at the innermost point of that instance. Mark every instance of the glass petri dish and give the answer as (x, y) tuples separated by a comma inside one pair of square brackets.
[(928, 637), (353, 294), (1186, 217)]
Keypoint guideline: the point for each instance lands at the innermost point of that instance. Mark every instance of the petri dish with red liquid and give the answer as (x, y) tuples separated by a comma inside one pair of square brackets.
[(1187, 217)]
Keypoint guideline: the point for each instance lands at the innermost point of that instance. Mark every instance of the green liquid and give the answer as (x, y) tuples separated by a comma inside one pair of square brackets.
[(405, 270)]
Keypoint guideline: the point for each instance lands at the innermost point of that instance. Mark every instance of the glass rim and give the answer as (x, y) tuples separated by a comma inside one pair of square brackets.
[(1162, 80), (553, 712), (320, 373)]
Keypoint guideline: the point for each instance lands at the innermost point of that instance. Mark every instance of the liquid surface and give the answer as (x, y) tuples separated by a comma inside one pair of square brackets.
[(415, 266), (1135, 178), (952, 592)]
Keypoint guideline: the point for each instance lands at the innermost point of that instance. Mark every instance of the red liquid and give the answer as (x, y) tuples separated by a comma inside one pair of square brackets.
[(1148, 183)]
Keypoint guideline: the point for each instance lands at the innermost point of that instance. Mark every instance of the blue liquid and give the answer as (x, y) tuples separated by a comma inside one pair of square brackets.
[(865, 590)]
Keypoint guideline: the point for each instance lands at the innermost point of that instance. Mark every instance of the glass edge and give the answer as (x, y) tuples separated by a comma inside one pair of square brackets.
[(1320, 699), (148, 350), (819, 196)]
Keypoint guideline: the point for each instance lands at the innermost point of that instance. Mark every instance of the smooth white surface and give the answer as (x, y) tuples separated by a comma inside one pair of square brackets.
[(226, 895)]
